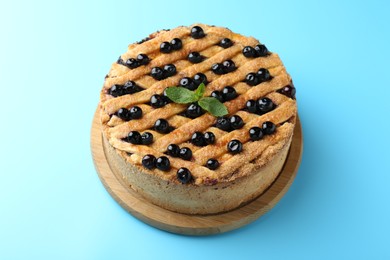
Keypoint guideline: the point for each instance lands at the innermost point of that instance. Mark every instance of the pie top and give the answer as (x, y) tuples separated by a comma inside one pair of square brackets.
[(183, 142)]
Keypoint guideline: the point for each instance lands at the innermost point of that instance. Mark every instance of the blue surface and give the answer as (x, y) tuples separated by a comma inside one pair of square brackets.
[(53, 58)]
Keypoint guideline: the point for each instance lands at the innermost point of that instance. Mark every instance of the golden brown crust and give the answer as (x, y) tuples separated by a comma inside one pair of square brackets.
[(232, 166)]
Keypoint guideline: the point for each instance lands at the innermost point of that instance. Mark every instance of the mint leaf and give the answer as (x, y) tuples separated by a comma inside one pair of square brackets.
[(181, 95), (200, 90), (213, 105)]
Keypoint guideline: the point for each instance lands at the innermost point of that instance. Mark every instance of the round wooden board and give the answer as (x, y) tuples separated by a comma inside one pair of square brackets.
[(193, 224)]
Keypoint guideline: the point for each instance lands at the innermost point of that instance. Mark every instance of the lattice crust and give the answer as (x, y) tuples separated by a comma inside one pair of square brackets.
[(283, 116)]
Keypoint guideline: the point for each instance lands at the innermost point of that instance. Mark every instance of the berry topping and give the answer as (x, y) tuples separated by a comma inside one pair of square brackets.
[(157, 101), (162, 163), (194, 110), (234, 146), (268, 127), (195, 57), (134, 137), (123, 114), (228, 93), (173, 150), (120, 61), (146, 138), (132, 63), (216, 94), (187, 82), (169, 70), (149, 161), (116, 90), (130, 88), (212, 164), (165, 47), (255, 133), (209, 137), (184, 175), (265, 105), (176, 44), (161, 126), (157, 73), (252, 79), (251, 106), (135, 112), (185, 153), (197, 32), (236, 122), (264, 75), (200, 78), (249, 52), (198, 139), (218, 68), (228, 66), (223, 123), (288, 91), (225, 43), (261, 50), (143, 59)]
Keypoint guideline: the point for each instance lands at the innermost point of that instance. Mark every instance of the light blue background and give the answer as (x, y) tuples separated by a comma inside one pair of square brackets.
[(53, 59)]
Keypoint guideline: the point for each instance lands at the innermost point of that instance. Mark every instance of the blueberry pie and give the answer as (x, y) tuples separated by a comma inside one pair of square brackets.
[(198, 119)]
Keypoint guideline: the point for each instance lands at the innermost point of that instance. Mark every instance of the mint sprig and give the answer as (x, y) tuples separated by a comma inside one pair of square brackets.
[(182, 95)]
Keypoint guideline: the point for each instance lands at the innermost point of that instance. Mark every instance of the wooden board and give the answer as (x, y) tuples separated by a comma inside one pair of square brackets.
[(193, 224)]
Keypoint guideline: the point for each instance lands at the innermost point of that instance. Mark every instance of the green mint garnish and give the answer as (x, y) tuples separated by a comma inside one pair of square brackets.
[(182, 95)]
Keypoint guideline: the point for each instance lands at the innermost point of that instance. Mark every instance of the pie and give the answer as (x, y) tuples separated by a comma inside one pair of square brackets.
[(183, 156)]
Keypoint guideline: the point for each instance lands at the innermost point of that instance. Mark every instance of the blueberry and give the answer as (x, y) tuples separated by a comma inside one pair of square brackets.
[(251, 106), (200, 78), (228, 93), (130, 87), (157, 101), (134, 137), (251, 79), (225, 43), (161, 126), (234, 146), (176, 44), (120, 61), (228, 66), (165, 96), (223, 123), (194, 110), (123, 114), (165, 47), (263, 75), (265, 105), (249, 52), (116, 90), (236, 122), (169, 70), (185, 153), (184, 175), (261, 50), (157, 73), (132, 63), (195, 57), (187, 82), (209, 137), (173, 150), (162, 163), (135, 112), (197, 32), (143, 59), (255, 133), (146, 138), (288, 91), (218, 68), (149, 161), (268, 127), (198, 139), (216, 94), (212, 164)]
